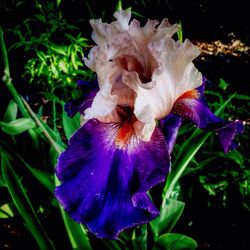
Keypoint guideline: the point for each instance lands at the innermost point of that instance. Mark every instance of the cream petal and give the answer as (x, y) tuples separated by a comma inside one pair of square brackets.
[(90, 61), (175, 59), (103, 104), (123, 18), (149, 28), (125, 50), (165, 29), (149, 33), (144, 130), (175, 75), (112, 37), (126, 96)]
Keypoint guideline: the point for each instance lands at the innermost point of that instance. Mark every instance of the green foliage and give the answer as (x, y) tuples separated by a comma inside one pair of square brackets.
[(11, 112), (70, 125), (169, 215), (172, 241), (180, 33), (139, 238), (23, 203), (54, 54), (17, 126), (5, 211)]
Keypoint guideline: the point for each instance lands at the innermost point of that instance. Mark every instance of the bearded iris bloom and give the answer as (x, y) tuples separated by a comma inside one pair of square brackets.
[(147, 84)]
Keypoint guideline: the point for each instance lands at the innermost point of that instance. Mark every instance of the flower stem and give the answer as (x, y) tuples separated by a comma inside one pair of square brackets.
[(40, 125), (7, 80)]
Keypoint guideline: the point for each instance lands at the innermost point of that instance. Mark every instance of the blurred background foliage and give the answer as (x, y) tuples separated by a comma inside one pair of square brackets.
[(207, 196)]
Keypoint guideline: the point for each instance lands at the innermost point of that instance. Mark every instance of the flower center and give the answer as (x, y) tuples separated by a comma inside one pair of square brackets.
[(131, 63), (126, 130), (124, 134)]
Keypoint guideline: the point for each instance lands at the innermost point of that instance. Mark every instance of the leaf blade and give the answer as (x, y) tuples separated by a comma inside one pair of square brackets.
[(23, 204)]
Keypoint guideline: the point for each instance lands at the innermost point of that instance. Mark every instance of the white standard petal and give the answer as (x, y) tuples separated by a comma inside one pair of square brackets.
[(123, 18), (154, 100), (103, 104), (175, 60), (175, 75), (155, 69)]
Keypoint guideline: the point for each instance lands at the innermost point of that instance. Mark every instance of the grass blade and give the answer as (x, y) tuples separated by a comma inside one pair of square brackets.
[(17, 126), (77, 235), (70, 125), (169, 216), (11, 112), (173, 241), (23, 204)]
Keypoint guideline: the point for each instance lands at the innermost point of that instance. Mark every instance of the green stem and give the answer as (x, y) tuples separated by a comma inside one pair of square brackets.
[(7, 80), (44, 131), (54, 114)]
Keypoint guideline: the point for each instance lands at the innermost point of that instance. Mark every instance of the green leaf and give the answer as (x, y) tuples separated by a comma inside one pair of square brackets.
[(118, 5), (41, 18), (5, 211), (201, 165), (44, 178), (18, 126), (74, 60), (223, 85), (42, 57), (59, 49), (169, 215), (23, 204), (243, 97), (2, 183), (185, 155), (180, 33), (139, 238), (70, 125), (236, 156), (173, 241), (77, 234), (63, 66), (111, 244), (54, 135), (54, 70), (11, 112)]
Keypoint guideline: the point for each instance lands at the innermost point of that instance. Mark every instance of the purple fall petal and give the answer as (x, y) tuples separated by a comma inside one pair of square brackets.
[(193, 107), (105, 187), (228, 133), (170, 127)]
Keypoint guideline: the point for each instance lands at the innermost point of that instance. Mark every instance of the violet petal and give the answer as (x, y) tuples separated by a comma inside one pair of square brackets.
[(105, 187), (197, 111)]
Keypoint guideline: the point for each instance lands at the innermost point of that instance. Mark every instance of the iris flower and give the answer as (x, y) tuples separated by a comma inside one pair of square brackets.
[(147, 84)]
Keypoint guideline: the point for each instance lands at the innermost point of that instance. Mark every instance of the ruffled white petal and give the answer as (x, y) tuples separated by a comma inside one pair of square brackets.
[(123, 18), (139, 67), (176, 75), (103, 104)]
